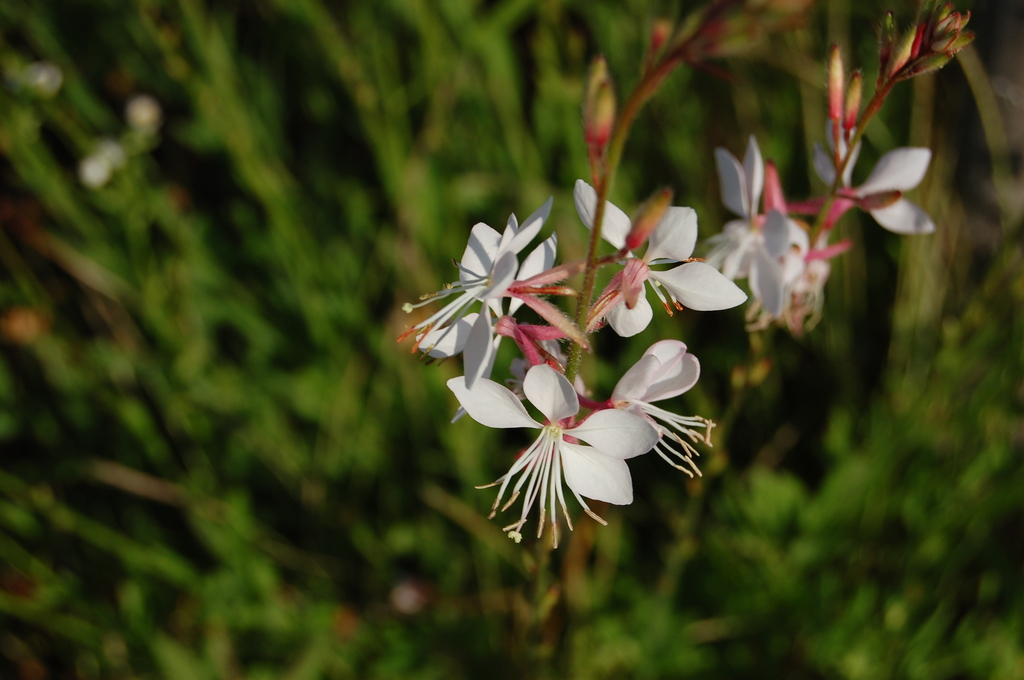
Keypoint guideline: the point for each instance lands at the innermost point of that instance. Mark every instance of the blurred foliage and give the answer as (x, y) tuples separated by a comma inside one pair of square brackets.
[(215, 462)]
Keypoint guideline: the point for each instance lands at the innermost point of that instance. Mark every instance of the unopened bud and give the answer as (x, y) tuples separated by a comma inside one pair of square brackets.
[(915, 49), (648, 217), (853, 93), (599, 106), (835, 84), (886, 41), (660, 32), (900, 54)]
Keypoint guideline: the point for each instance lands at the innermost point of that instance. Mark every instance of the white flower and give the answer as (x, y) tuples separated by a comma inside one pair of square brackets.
[(754, 247), (597, 471), (489, 266), (666, 370), (694, 284), (43, 78), (899, 170)]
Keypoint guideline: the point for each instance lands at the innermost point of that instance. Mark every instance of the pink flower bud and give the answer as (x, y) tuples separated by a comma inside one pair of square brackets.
[(648, 217), (853, 93), (599, 106), (835, 84)]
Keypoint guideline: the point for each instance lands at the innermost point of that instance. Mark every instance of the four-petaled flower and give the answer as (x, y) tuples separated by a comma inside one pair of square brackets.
[(597, 471), (693, 284), (489, 266), (665, 370), (896, 172)]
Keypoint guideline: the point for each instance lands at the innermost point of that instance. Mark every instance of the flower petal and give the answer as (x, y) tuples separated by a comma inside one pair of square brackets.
[(753, 171), (700, 286), (824, 165), (634, 382), (450, 340), (734, 183), (904, 217), (551, 393), (539, 260), (616, 225), (617, 434), (628, 322), (766, 281), (776, 233), (590, 473), (899, 170), (529, 229), (679, 370), (674, 237), (848, 172), (503, 274), (491, 404), (479, 350), (478, 257)]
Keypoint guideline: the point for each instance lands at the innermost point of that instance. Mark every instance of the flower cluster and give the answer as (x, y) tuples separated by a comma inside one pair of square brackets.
[(786, 260), (581, 441)]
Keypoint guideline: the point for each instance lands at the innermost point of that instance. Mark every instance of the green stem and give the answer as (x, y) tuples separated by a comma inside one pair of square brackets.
[(644, 90)]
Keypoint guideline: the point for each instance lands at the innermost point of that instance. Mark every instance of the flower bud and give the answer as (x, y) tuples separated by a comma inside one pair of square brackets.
[(835, 84), (886, 41), (900, 54), (660, 32), (648, 217), (853, 93), (599, 106)]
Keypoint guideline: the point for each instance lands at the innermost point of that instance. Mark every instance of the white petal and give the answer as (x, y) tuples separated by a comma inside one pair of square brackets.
[(616, 224), (628, 322), (753, 171), (541, 259), (478, 257), (530, 228), (679, 370), (798, 237), (479, 351), (634, 382), (551, 393), (449, 340), (503, 274), (824, 165), (590, 473), (616, 433), (699, 286), (675, 235), (904, 217), (734, 183), (766, 281), (899, 170), (776, 233), (491, 404)]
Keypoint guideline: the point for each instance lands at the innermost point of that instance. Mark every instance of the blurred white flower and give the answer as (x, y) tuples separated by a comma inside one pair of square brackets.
[(144, 114), (95, 169), (43, 78)]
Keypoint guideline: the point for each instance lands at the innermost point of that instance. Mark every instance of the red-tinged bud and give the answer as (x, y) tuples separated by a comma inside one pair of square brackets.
[(648, 217), (915, 48), (835, 84), (773, 197), (660, 32), (598, 106), (886, 41), (900, 54), (853, 93)]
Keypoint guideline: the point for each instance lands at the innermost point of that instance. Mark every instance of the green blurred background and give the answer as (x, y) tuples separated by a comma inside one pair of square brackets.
[(216, 462)]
